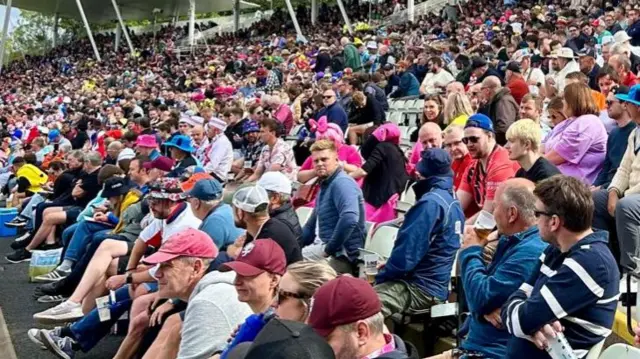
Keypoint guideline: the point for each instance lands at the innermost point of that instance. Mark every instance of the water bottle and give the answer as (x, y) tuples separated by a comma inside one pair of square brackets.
[(559, 348)]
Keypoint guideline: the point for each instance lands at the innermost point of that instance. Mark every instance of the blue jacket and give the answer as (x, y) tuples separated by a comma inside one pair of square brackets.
[(634, 31), (341, 225), (579, 288), (335, 114), (428, 240), (488, 287), (409, 86)]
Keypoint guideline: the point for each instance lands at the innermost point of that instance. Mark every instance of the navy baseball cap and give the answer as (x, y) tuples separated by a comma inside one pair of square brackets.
[(480, 121), (206, 190), (632, 97), (434, 162)]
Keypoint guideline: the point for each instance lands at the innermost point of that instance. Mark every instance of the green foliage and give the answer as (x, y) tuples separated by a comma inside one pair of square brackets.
[(33, 35)]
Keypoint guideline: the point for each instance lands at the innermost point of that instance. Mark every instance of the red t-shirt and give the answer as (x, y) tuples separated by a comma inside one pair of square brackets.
[(481, 183), (459, 168), (630, 80)]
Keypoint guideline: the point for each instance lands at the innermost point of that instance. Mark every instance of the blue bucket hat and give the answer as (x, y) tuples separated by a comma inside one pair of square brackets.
[(182, 143), (250, 126), (434, 162), (480, 121), (53, 135), (633, 96)]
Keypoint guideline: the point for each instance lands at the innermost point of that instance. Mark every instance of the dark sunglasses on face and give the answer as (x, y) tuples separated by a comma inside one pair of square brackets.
[(470, 139), (542, 213), (283, 295), (327, 97)]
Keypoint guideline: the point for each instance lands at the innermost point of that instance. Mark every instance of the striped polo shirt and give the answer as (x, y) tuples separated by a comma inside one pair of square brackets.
[(580, 288)]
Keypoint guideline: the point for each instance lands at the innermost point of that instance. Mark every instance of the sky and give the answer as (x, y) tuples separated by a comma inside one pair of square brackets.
[(15, 15)]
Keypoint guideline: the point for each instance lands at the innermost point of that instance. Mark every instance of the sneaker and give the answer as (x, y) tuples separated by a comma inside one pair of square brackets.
[(62, 313), (22, 241), (53, 288), (52, 299), (54, 276), (46, 247), (61, 347), (20, 255), (34, 336), (17, 222)]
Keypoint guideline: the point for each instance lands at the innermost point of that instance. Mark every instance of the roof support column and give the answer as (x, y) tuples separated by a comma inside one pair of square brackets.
[(236, 15), (345, 17), (54, 40), (5, 30), (314, 12), (292, 13), (116, 8), (88, 28), (118, 37), (192, 21), (410, 10)]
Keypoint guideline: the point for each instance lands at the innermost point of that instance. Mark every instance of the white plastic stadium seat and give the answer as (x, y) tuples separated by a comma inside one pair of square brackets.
[(382, 241), (394, 117), (368, 227), (303, 214), (594, 352), (621, 351), (408, 195)]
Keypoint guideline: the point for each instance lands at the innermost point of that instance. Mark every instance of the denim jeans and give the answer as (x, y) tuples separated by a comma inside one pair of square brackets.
[(35, 200), (82, 236), (89, 330)]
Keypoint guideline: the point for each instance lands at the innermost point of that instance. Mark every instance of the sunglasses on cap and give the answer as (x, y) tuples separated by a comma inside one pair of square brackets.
[(470, 139)]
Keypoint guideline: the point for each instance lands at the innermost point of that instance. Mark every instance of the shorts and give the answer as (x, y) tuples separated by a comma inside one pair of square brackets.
[(72, 213)]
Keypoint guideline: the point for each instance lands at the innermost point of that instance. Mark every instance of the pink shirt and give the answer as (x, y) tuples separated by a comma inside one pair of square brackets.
[(284, 116), (414, 158)]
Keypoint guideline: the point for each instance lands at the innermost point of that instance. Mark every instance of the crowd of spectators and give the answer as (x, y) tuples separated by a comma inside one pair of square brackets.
[(171, 182)]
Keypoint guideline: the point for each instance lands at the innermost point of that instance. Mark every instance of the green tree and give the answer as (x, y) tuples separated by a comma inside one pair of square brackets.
[(33, 35)]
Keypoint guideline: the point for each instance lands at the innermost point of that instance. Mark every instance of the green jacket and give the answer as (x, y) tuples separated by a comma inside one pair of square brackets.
[(352, 58), (129, 225)]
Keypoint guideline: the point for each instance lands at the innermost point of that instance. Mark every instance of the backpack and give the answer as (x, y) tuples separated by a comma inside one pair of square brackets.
[(337, 63)]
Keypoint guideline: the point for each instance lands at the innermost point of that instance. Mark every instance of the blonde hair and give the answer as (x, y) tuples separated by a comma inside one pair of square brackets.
[(310, 275), (359, 98), (525, 130), (323, 145), (457, 104), (578, 100)]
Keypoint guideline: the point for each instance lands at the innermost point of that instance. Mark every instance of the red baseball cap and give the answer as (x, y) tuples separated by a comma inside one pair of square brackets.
[(188, 243), (257, 257), (341, 301)]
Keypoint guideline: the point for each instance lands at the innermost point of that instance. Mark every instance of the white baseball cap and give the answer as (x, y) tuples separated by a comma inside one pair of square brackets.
[(250, 198), (275, 182)]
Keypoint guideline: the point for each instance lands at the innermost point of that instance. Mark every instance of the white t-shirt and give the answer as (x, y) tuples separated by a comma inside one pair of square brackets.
[(442, 78)]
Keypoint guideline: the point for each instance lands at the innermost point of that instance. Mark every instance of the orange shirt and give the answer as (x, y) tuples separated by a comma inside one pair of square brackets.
[(599, 99)]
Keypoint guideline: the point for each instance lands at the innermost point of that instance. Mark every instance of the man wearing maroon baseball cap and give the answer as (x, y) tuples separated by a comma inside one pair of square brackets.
[(259, 267), (347, 312), (159, 167)]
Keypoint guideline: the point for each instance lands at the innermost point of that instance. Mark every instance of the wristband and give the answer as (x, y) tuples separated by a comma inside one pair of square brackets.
[(129, 278)]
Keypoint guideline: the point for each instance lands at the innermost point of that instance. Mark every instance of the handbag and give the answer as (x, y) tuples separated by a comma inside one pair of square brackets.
[(306, 193)]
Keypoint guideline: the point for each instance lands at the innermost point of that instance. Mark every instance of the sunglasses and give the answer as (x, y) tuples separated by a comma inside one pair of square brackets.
[(283, 295), (542, 213), (470, 139), (327, 97)]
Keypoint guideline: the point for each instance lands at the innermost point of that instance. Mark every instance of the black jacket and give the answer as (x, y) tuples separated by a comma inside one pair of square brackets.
[(288, 216), (371, 112)]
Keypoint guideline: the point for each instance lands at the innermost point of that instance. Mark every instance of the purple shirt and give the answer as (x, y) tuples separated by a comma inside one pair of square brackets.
[(582, 142)]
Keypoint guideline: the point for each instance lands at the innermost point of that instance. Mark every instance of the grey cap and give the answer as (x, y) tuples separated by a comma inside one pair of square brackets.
[(250, 198)]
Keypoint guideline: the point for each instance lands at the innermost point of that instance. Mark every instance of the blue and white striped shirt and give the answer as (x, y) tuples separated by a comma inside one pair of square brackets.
[(580, 288)]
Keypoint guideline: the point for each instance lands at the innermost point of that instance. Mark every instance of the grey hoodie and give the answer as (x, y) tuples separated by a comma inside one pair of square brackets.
[(212, 314)]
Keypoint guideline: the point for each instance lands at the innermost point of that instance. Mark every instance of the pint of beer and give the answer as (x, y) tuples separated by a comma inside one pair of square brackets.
[(371, 267), (484, 225)]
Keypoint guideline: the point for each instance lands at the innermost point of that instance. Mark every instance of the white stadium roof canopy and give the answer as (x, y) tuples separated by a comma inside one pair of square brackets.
[(101, 11)]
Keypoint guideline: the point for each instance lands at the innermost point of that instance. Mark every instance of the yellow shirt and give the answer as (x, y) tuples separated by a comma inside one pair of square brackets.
[(34, 175)]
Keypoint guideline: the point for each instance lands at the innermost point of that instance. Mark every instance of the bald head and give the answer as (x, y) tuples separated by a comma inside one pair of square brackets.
[(197, 133), (430, 136), (515, 193), (455, 87), (492, 82)]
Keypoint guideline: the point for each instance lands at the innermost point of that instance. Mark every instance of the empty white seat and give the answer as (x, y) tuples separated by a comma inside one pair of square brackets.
[(303, 214), (408, 195), (595, 351), (621, 351), (382, 241)]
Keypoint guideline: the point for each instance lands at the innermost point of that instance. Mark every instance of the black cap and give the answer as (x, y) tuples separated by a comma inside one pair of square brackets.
[(514, 67), (284, 339), (588, 51), (115, 186), (478, 62), (387, 67)]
